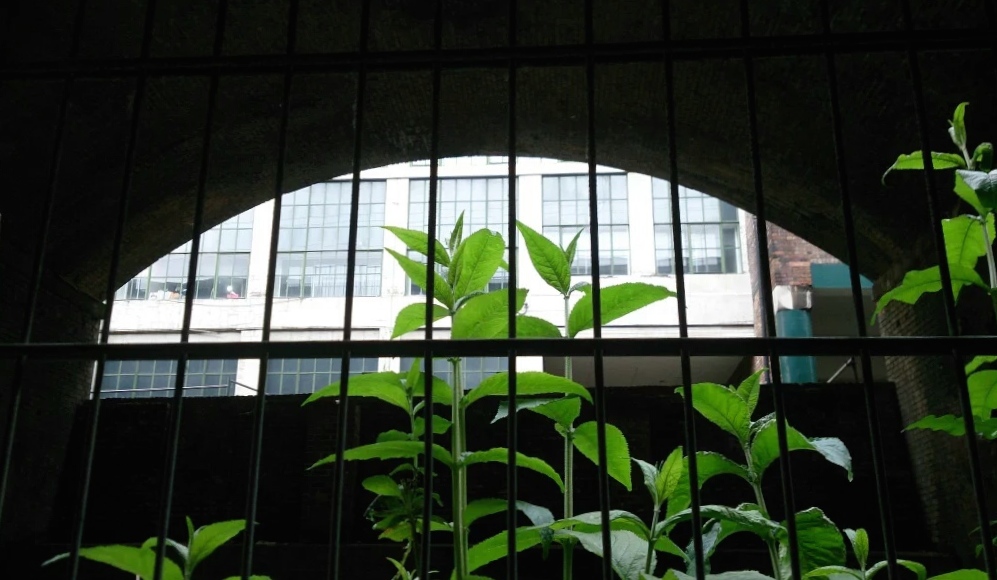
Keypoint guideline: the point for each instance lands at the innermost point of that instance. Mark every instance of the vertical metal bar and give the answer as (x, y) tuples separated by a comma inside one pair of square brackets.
[(339, 484), (259, 411), (109, 292), (41, 245), (512, 434), (765, 278), (872, 412), (688, 412), (176, 407), (948, 298), (427, 409), (600, 386)]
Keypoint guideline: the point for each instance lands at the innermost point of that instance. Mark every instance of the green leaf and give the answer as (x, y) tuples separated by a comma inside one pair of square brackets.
[(533, 327), (442, 393), (252, 577), (628, 551), (750, 520), (984, 184), (718, 530), (825, 571), (527, 384), (964, 243), (962, 575), (440, 426), (983, 393), (953, 425), (749, 389), (957, 129), (414, 373), (382, 485), (918, 569), (417, 272), (919, 282), (617, 301), (738, 575), (139, 562), (457, 233), (968, 195), (562, 411), (979, 361), (819, 541), (569, 253), (860, 545), (722, 407), (389, 450), (209, 538), (501, 455), (497, 546), (650, 473), (548, 259), (983, 157), (419, 242), (413, 317), (592, 521), (486, 315), (475, 262), (765, 448), (915, 160), (708, 465), (479, 508), (617, 450), (670, 474), (386, 386)]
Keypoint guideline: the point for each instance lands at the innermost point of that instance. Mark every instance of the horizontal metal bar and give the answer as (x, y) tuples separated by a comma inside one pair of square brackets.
[(498, 57), (620, 347)]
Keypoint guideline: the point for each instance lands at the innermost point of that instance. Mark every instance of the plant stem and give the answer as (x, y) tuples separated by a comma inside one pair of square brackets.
[(459, 473), (651, 540), (991, 266), (756, 486), (569, 470)]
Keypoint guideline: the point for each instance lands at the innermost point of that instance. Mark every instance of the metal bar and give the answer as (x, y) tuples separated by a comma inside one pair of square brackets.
[(176, 409), (427, 351), (41, 245), (696, 346), (948, 298), (688, 411), (498, 57), (512, 433), (600, 382), (765, 299), (339, 484), (259, 411), (848, 363)]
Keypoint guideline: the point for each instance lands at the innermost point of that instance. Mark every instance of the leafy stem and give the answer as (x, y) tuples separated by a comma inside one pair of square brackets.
[(459, 473), (569, 465), (756, 487)]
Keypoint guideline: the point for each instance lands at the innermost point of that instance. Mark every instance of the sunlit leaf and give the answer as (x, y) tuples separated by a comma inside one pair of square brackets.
[(957, 129), (442, 392), (859, 540), (389, 450), (475, 262), (419, 242), (983, 157), (915, 160), (916, 283), (983, 392), (917, 568), (527, 384), (533, 327), (413, 317), (386, 386), (962, 575), (616, 301), (748, 390), (617, 450), (984, 184), (722, 407), (139, 562), (209, 538), (820, 543), (479, 508), (486, 315), (979, 361), (751, 519), (548, 259), (497, 546), (628, 551), (765, 448), (569, 254), (967, 194), (501, 455), (382, 485), (835, 572), (417, 272), (986, 428), (440, 426), (964, 243), (562, 411), (708, 465), (670, 474)]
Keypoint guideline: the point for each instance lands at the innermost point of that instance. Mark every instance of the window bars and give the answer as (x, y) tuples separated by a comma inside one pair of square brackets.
[(511, 59)]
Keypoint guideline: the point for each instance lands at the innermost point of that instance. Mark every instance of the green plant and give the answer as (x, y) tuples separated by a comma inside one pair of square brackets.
[(140, 561), (859, 541)]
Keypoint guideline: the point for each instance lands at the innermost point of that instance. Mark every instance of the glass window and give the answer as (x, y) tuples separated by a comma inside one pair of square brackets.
[(291, 376), (313, 244), (566, 213), (484, 203), (157, 378), (711, 239), (476, 369)]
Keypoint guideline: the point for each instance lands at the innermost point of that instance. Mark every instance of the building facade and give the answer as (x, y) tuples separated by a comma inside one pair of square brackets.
[(635, 239)]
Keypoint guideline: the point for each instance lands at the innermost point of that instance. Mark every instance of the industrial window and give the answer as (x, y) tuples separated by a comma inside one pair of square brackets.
[(143, 379), (711, 237), (474, 368), (484, 202), (222, 268), (566, 212), (291, 376), (314, 240)]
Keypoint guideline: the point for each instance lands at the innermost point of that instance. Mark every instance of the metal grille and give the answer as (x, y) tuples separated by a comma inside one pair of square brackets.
[(587, 55)]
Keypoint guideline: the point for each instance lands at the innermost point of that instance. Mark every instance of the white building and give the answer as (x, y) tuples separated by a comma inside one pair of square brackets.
[(635, 245)]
